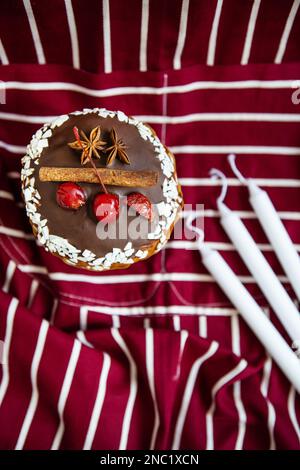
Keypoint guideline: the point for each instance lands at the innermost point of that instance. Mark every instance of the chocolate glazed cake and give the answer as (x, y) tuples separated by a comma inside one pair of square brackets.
[(85, 159)]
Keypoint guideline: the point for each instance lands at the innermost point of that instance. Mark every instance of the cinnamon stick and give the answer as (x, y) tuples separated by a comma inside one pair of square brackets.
[(110, 177)]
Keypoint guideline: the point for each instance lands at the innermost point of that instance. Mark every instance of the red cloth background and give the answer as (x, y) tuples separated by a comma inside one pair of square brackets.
[(113, 360)]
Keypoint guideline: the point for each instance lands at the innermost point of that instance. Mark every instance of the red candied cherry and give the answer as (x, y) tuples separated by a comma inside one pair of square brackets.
[(70, 196), (141, 204), (106, 207)]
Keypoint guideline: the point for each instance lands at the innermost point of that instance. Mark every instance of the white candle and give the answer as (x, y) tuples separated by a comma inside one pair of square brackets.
[(276, 233), (258, 266), (253, 315), (273, 228)]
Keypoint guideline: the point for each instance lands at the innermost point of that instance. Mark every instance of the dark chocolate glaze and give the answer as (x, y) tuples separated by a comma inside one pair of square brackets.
[(79, 227)]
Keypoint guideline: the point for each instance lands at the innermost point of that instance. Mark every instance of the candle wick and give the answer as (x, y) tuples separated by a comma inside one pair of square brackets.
[(236, 171), (217, 174)]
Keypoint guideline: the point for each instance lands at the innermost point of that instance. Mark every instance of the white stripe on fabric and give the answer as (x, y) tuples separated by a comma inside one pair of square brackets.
[(11, 312), (236, 349), (35, 33), (203, 325), (214, 34), (264, 387), (64, 393), (240, 149), (189, 388), (181, 34), (250, 32), (116, 322), (96, 413), (30, 268), (33, 289), (163, 310), (176, 322), (13, 174), (190, 245), (129, 278), (106, 37), (132, 392), (13, 148), (164, 110), (267, 182), (151, 379), (15, 233), (7, 195), (132, 278), (242, 415), (10, 271), (227, 117), (286, 32), (82, 338), (144, 36), (83, 317), (185, 119), (218, 385), (3, 56), (73, 34), (183, 339), (148, 90), (25, 118), (292, 411), (284, 215), (35, 391), (53, 311)]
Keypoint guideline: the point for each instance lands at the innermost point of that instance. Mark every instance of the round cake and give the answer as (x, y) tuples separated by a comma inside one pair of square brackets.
[(100, 189)]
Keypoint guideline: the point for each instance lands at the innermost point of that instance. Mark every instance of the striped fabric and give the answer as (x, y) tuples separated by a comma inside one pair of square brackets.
[(154, 357)]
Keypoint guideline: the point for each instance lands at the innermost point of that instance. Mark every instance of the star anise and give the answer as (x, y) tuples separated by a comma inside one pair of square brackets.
[(89, 146), (117, 149)]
